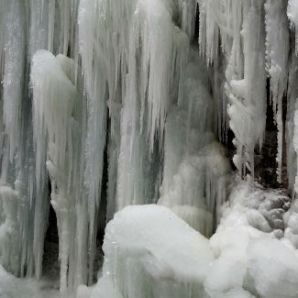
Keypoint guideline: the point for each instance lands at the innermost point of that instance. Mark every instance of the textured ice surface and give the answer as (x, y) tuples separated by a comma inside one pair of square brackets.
[(125, 107), (272, 265), (196, 171), (57, 119), (244, 258), (143, 260)]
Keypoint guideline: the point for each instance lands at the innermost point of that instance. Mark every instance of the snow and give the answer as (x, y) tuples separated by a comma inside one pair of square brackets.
[(239, 260), (12, 287), (280, 261), (168, 262)]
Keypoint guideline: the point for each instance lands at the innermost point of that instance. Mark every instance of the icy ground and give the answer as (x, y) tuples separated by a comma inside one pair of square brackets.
[(249, 256), (47, 287), (12, 287)]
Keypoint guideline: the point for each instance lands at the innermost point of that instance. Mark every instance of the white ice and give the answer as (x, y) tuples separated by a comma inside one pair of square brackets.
[(244, 258)]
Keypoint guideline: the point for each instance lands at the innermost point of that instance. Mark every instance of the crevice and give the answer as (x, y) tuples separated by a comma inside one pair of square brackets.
[(51, 266)]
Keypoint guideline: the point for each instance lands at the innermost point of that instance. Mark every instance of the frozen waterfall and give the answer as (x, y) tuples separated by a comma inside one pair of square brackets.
[(149, 148)]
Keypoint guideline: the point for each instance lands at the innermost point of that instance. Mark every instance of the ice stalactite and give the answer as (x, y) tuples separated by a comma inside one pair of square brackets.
[(56, 120), (292, 94), (292, 13), (95, 76), (154, 44), (245, 56), (13, 200), (130, 55), (13, 69), (292, 149), (26, 26), (38, 40), (277, 51)]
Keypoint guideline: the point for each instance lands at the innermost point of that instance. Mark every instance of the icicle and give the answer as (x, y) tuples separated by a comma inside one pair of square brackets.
[(12, 69), (209, 31), (14, 51), (248, 97), (277, 48), (94, 70), (292, 13), (187, 11), (54, 98), (292, 95)]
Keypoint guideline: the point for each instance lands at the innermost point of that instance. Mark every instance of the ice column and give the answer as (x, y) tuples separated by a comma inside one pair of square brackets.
[(56, 120), (238, 25), (277, 51)]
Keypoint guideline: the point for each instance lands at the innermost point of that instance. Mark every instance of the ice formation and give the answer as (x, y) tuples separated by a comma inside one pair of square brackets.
[(134, 263), (172, 105), (243, 258)]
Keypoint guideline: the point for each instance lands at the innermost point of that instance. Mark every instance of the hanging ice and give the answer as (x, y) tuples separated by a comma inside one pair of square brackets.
[(133, 102), (56, 120)]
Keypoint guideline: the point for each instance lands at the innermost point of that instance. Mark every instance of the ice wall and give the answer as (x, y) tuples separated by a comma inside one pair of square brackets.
[(118, 103), (126, 62)]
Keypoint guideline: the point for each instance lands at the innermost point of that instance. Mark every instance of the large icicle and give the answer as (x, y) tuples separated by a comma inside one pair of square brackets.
[(292, 145), (14, 51), (153, 45), (95, 75), (277, 51), (248, 96), (222, 21), (55, 119), (12, 69), (292, 13)]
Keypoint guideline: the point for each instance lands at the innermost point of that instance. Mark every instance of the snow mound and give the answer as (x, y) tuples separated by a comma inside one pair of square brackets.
[(12, 287), (141, 257), (150, 252), (273, 267)]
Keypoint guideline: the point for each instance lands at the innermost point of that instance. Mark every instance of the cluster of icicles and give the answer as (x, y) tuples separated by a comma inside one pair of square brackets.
[(131, 80)]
